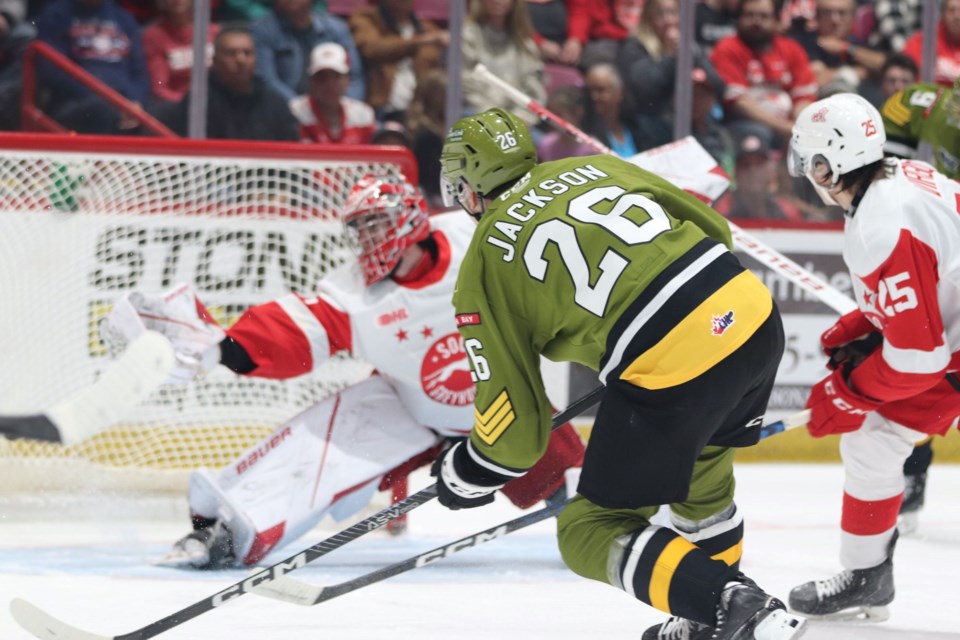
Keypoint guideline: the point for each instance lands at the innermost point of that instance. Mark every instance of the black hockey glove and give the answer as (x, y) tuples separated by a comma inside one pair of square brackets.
[(461, 482), (854, 352)]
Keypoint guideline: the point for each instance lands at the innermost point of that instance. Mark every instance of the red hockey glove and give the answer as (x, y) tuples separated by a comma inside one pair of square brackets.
[(461, 482), (850, 338), (835, 407)]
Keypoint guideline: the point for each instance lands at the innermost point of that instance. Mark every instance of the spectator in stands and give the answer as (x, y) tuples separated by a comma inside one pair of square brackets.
[(568, 103), (393, 133), (398, 50), (168, 47), (251, 10), (13, 11), (15, 35), (609, 116), (105, 41), (240, 105), (426, 120), (550, 19), (498, 34), (648, 59), (704, 125), (895, 20), (948, 44), (715, 20), (768, 77), (899, 71), (839, 62), (755, 180), (326, 114), (600, 26), (286, 36)]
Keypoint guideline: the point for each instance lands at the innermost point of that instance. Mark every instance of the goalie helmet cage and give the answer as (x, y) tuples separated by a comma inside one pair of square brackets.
[(84, 219)]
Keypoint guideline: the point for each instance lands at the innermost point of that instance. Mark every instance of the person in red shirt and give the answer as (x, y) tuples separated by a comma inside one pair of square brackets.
[(168, 47), (598, 28), (948, 44), (326, 114), (768, 76)]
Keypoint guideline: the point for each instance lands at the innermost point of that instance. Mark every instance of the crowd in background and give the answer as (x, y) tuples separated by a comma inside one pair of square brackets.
[(362, 72)]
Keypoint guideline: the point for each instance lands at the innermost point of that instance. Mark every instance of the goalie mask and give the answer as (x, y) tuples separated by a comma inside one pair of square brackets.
[(832, 137), (384, 215)]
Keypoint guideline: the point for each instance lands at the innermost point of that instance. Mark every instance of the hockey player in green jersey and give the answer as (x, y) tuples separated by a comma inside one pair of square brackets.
[(925, 113), (594, 260)]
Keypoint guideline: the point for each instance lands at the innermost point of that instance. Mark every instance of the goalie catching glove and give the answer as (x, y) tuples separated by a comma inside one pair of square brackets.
[(179, 316), (461, 482)]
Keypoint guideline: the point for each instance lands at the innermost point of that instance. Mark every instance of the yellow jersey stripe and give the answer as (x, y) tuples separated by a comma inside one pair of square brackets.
[(492, 432), (897, 113), (663, 570), (494, 407), (707, 335)]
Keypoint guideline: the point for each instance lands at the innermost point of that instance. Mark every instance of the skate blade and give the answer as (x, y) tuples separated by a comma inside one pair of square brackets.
[(858, 614), (780, 625)]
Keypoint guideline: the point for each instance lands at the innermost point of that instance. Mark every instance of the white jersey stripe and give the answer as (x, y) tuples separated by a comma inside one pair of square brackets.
[(634, 552), (312, 330), (916, 361), (486, 464), (656, 304)]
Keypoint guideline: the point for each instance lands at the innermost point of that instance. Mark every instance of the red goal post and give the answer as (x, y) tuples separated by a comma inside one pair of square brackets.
[(84, 219)]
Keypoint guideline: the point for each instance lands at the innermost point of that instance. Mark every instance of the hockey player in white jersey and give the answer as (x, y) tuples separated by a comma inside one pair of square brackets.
[(902, 247), (393, 309)]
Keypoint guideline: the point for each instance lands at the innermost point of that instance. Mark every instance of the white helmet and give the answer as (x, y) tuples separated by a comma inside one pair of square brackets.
[(844, 131)]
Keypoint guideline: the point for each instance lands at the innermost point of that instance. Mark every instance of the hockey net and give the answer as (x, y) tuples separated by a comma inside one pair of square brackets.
[(85, 219)]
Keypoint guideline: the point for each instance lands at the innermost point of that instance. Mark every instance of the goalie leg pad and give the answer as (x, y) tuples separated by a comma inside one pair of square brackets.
[(330, 457)]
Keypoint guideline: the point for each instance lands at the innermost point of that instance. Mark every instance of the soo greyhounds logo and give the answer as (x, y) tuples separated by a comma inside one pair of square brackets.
[(445, 372)]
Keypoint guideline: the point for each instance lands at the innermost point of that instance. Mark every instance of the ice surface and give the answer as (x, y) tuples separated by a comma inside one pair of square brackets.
[(99, 576)]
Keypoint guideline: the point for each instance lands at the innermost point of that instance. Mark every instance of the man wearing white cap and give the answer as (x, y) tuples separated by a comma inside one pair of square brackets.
[(326, 114)]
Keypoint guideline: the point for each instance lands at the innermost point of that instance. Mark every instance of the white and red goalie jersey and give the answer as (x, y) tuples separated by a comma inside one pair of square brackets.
[(902, 247), (406, 331)]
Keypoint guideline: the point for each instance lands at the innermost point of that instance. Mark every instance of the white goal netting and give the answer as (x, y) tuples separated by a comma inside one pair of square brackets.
[(84, 220)]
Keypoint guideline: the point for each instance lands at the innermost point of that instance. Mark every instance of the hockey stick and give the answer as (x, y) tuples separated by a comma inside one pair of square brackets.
[(142, 367), (291, 590), (43, 625), (769, 257)]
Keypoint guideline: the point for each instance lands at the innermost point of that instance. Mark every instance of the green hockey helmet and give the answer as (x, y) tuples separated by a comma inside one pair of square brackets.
[(484, 152)]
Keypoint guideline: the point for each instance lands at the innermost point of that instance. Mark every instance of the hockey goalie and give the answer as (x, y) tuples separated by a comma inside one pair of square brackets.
[(392, 308)]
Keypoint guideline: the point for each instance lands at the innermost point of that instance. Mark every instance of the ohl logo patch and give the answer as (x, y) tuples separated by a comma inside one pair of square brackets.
[(445, 372), (722, 323)]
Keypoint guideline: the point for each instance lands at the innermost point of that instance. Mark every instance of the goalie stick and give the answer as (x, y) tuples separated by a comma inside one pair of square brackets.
[(288, 589), (767, 256), (43, 625), (127, 381)]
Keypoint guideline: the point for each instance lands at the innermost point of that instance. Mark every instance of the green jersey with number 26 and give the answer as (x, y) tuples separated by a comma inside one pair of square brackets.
[(554, 262)]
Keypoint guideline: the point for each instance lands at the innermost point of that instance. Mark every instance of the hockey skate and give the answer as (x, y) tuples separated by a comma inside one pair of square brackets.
[(913, 497), (745, 612), (858, 594), (676, 628), (206, 548)]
